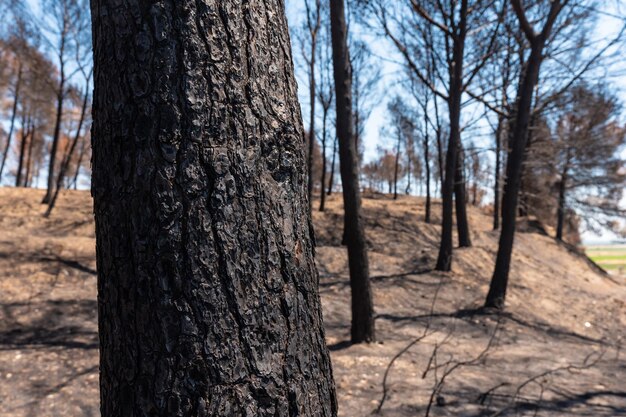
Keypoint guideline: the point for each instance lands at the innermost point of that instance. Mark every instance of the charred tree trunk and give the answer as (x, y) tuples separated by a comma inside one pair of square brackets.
[(7, 147), (560, 212), (444, 259), (29, 157), (519, 135), (460, 200), (68, 158), (331, 180), (323, 179), (207, 286), (312, 95), (497, 180), (79, 163), (396, 168), (427, 166), (362, 329), (56, 135), (25, 137)]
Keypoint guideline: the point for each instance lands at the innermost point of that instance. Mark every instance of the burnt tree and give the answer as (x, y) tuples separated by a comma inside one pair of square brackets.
[(362, 329), (518, 137), (207, 286)]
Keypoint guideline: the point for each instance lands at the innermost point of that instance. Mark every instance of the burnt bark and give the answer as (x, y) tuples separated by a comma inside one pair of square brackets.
[(444, 259), (207, 286), (362, 329)]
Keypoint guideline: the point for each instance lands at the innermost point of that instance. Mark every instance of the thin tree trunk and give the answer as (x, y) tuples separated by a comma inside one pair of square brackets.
[(462, 222), (207, 286), (29, 160), (323, 179), (331, 180), (362, 329), (427, 167), (79, 163), (68, 158), (312, 95), (497, 180), (25, 138), (396, 168), (444, 259), (55, 137), (560, 219), (7, 147)]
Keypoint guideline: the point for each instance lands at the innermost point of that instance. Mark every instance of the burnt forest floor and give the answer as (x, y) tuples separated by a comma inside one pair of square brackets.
[(556, 351)]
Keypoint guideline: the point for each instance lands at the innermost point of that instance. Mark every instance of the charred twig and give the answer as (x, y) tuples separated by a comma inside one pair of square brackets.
[(451, 366), (424, 334)]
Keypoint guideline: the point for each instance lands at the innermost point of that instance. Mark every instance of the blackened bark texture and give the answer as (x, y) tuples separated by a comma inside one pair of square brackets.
[(460, 200), (444, 259), (517, 149), (362, 307), (207, 286), (497, 176), (16, 100)]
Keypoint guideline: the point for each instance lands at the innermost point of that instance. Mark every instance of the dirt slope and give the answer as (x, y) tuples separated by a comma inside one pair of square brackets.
[(561, 315)]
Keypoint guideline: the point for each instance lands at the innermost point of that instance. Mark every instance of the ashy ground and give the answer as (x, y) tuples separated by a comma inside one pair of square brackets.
[(555, 352)]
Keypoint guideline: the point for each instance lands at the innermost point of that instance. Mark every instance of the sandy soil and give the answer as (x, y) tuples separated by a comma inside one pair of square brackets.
[(555, 352)]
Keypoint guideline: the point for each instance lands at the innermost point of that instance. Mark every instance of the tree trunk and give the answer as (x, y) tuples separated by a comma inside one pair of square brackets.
[(331, 180), (25, 137), (79, 162), (55, 137), (29, 157), (518, 138), (68, 158), (396, 169), (312, 96), (497, 180), (460, 200), (362, 307), (7, 147), (444, 259), (560, 213), (427, 166), (207, 287), (323, 179)]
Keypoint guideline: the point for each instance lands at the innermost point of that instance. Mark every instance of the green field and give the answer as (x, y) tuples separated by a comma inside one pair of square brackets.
[(609, 257)]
